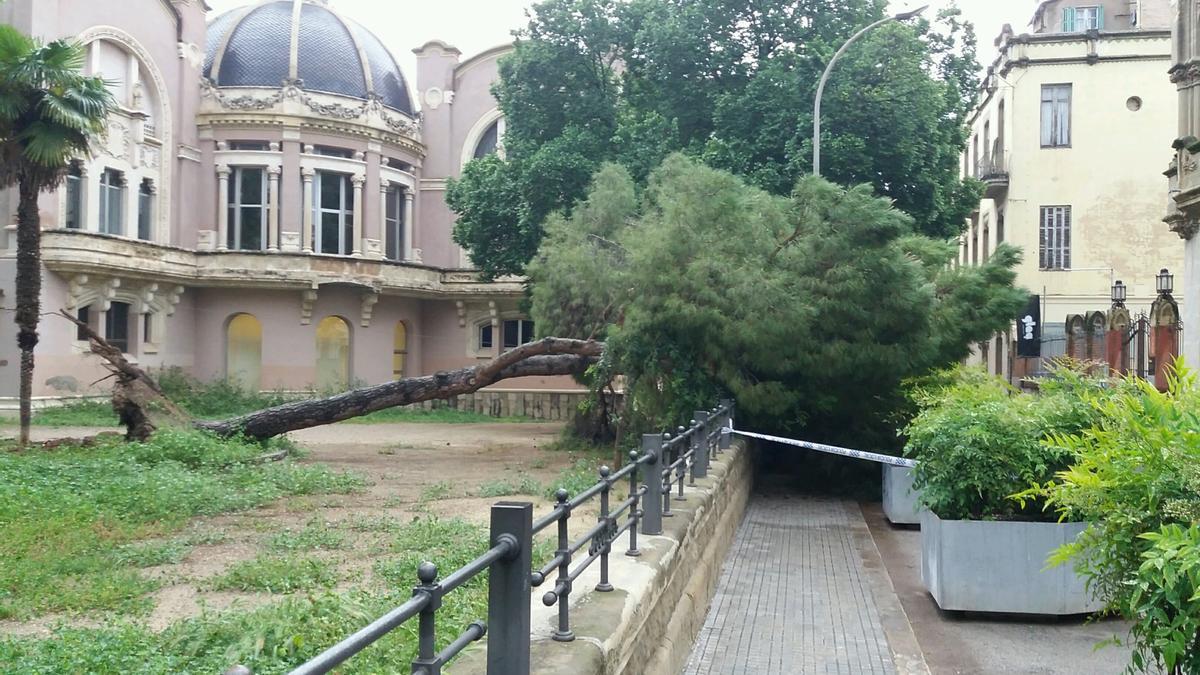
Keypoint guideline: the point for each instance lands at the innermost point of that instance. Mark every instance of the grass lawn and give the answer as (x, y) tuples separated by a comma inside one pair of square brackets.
[(90, 537)]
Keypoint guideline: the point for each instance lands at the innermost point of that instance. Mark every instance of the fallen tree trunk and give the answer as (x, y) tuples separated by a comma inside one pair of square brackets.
[(142, 407)]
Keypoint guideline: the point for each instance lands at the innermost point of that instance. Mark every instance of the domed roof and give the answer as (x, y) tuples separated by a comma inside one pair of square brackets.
[(265, 44)]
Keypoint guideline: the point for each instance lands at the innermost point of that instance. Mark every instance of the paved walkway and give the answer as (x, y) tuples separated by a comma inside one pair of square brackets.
[(795, 596)]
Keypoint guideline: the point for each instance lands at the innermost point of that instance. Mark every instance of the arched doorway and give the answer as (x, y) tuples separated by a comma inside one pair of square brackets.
[(399, 350), (243, 352), (333, 354)]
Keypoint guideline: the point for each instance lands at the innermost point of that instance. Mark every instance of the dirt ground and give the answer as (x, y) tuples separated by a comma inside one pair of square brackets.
[(411, 470)]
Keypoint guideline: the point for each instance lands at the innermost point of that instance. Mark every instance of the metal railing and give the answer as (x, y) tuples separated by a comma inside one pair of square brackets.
[(656, 475)]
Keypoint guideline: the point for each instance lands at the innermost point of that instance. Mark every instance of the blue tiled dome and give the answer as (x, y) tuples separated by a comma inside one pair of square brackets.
[(252, 47)]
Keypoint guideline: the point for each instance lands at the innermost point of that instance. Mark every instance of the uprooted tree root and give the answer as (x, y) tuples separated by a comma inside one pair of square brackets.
[(142, 407)]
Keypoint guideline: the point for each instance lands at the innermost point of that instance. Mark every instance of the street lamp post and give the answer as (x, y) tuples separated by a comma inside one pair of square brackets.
[(903, 16)]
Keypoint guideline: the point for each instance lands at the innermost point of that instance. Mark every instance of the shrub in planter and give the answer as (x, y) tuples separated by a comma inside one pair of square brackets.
[(978, 441), (1135, 476)]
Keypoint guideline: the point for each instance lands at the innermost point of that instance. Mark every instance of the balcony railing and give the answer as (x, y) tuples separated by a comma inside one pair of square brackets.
[(992, 169)]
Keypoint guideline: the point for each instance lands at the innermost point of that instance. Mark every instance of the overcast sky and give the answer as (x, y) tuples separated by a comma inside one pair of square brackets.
[(475, 25)]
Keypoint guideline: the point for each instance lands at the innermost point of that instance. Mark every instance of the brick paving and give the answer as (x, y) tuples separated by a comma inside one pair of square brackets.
[(793, 597)]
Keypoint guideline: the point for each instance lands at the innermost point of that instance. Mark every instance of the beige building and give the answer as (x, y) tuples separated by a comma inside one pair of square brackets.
[(1068, 137), (1184, 206)]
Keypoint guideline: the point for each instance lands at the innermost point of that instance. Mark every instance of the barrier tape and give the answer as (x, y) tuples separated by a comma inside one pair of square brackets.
[(831, 449)]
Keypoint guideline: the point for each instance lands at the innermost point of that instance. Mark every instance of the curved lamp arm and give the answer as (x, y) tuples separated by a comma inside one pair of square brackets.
[(903, 16)]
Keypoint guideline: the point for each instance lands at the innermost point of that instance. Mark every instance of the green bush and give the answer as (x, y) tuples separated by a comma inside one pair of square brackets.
[(978, 441), (1135, 477)]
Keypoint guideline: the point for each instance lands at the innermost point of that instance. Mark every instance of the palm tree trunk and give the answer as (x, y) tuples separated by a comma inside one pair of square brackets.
[(29, 292)]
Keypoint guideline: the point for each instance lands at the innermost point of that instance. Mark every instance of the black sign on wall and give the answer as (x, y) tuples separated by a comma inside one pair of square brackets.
[(1029, 328)]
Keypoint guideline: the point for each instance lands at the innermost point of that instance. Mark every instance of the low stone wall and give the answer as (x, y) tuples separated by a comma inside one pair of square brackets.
[(531, 403), (647, 625)]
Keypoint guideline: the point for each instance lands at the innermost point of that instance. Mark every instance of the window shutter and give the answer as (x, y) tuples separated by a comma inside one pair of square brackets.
[(1068, 20), (1100, 18)]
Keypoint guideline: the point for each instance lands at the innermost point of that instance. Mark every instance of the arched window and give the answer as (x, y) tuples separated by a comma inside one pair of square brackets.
[(399, 350), (333, 354), (243, 352), (489, 141)]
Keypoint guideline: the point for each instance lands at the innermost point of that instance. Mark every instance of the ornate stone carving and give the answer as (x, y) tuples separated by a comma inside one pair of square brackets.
[(307, 300), (462, 313), (117, 139), (369, 299)]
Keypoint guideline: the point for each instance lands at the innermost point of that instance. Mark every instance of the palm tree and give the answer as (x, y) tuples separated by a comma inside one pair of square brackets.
[(49, 113)]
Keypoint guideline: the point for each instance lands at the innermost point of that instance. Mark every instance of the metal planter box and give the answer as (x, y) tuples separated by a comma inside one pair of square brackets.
[(1000, 566), (899, 499)]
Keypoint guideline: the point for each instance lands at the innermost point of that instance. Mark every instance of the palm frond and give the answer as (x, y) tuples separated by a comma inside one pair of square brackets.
[(14, 45), (48, 145)]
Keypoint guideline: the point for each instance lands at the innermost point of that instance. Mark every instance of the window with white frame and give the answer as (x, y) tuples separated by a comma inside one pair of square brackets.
[(247, 208), (112, 199), (1056, 115), (1055, 238), (1085, 18), (145, 209), (513, 334), (334, 207), (74, 186), (393, 222)]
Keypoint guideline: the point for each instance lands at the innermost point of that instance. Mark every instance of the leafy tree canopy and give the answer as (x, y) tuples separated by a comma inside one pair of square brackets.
[(811, 309), (731, 83)]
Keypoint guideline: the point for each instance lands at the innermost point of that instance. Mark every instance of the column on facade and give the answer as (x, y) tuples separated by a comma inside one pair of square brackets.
[(273, 208), (222, 208), (360, 205), (306, 231), (408, 225), (90, 180), (372, 216), (290, 194), (384, 186)]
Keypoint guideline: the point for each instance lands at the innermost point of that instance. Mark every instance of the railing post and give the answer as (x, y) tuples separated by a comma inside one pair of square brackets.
[(562, 585), (700, 446), (427, 661), (508, 590), (604, 586), (652, 520), (727, 423), (681, 470), (634, 491)]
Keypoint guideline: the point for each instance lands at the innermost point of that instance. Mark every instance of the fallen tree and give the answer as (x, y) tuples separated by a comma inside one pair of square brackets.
[(142, 407)]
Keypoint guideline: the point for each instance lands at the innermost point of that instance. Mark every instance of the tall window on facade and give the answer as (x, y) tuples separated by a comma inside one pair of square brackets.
[(112, 197), (145, 208), (1055, 238), (84, 314), (489, 141), (1056, 115), (116, 325), (247, 208), (74, 219), (393, 223), (1080, 19), (334, 212)]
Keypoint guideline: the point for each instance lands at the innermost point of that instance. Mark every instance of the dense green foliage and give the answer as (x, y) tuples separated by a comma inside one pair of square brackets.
[(1135, 476), (731, 83), (70, 519), (809, 310), (978, 441)]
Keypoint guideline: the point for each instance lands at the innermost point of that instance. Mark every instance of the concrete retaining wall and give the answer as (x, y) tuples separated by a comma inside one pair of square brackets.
[(648, 624)]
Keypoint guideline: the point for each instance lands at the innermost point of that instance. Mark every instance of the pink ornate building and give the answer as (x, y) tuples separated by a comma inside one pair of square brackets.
[(268, 203)]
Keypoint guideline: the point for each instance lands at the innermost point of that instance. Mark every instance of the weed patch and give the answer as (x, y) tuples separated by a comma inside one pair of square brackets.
[(273, 574)]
